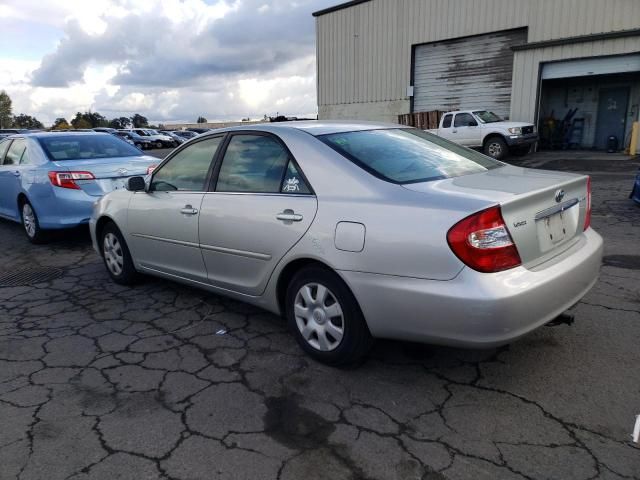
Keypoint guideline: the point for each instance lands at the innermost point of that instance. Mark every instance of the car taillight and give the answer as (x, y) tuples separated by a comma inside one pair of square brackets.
[(151, 168), (483, 242), (587, 218), (68, 179)]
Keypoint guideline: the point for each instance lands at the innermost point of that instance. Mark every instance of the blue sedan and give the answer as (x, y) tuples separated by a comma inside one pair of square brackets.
[(51, 180), (635, 193)]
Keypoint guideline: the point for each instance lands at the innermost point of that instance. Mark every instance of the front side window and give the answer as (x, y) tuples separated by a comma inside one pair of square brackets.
[(408, 155), (253, 163), (465, 120), (78, 146), (446, 123), (188, 169), (15, 153)]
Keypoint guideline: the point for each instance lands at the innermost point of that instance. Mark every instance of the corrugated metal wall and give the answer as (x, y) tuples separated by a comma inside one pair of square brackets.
[(469, 73), (364, 52)]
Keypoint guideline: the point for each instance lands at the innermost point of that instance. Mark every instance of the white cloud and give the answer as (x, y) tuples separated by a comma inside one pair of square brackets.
[(169, 60)]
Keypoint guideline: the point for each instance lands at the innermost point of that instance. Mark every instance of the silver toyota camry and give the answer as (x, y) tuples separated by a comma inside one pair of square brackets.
[(356, 231)]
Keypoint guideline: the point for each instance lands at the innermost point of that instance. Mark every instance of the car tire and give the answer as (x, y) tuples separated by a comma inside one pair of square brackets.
[(116, 256), (333, 330), (138, 146), (496, 147), (31, 224)]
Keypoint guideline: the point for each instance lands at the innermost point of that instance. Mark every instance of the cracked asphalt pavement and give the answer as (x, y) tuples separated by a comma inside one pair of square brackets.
[(99, 381)]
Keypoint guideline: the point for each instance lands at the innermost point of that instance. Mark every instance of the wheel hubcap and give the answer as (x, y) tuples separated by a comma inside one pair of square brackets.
[(29, 220), (113, 255), (495, 149), (319, 317)]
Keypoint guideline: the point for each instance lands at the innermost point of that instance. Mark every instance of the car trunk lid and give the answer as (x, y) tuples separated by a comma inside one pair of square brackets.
[(110, 173), (544, 211)]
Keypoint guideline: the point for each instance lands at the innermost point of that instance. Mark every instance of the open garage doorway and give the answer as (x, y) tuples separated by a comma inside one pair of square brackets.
[(582, 107)]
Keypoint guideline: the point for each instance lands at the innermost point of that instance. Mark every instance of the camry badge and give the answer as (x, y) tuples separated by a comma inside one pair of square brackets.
[(122, 172), (559, 195)]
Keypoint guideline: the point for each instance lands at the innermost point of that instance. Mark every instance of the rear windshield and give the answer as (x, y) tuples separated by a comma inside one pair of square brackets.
[(408, 155), (86, 147)]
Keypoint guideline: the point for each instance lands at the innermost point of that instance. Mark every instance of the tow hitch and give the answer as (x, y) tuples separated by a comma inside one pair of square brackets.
[(565, 318)]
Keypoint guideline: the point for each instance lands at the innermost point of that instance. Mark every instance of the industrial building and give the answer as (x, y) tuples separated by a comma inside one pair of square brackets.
[(570, 66)]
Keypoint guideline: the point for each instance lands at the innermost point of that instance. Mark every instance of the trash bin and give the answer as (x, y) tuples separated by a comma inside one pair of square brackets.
[(612, 144)]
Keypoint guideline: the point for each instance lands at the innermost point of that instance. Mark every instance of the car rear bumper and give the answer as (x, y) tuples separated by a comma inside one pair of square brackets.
[(477, 309), (66, 209)]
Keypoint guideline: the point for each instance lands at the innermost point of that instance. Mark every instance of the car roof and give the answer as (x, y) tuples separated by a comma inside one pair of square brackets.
[(313, 127), (59, 134)]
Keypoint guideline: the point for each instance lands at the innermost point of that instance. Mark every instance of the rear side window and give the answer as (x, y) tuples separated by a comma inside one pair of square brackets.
[(15, 152), (293, 182), (253, 163), (402, 155), (188, 169), (446, 123)]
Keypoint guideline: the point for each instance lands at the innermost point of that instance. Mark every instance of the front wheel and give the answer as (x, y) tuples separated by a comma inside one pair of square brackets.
[(325, 318), (31, 225), (496, 148), (116, 256), (159, 145)]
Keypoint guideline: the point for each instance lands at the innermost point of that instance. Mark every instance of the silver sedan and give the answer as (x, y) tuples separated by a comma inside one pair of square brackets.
[(356, 231)]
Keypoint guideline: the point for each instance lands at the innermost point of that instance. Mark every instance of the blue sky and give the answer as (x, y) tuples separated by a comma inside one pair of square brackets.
[(170, 60)]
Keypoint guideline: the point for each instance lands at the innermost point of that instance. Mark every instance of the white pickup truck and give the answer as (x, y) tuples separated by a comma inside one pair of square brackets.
[(486, 130)]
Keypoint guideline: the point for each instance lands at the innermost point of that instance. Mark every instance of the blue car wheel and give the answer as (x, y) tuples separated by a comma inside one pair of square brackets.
[(30, 223)]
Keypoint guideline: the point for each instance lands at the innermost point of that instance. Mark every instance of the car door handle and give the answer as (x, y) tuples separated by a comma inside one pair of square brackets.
[(189, 210), (17, 174), (289, 216), (454, 130)]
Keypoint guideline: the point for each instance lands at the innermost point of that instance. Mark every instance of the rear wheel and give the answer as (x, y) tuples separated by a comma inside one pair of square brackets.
[(159, 144), (116, 256), (325, 318), (30, 223), (138, 146), (495, 147)]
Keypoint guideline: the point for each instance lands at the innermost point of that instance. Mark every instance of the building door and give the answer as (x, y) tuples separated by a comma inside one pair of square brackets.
[(612, 112), (471, 73)]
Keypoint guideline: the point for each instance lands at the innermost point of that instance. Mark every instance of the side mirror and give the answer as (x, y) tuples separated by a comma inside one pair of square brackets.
[(136, 184), (472, 124)]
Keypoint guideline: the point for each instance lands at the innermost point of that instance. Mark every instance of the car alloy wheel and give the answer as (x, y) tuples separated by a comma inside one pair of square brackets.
[(159, 145), (319, 317), (495, 149), (113, 254), (29, 220)]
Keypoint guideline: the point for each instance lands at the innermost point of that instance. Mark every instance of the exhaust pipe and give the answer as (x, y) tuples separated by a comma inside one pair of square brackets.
[(565, 318)]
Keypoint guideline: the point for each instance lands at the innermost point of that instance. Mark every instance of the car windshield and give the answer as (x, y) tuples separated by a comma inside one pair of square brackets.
[(86, 147), (487, 117), (408, 155)]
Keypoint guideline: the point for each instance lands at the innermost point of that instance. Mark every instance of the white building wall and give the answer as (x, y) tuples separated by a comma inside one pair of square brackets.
[(364, 51)]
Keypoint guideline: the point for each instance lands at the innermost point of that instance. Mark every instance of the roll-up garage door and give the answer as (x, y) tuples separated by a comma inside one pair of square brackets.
[(467, 73)]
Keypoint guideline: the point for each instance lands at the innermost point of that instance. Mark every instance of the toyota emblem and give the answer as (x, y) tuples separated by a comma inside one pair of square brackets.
[(559, 195)]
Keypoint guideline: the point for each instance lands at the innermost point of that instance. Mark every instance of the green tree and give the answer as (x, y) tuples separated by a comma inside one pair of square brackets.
[(89, 120), (121, 122), (201, 120), (61, 124), (139, 121), (27, 121), (6, 113)]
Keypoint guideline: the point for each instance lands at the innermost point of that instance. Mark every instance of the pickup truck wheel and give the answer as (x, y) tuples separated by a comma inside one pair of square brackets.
[(496, 147)]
